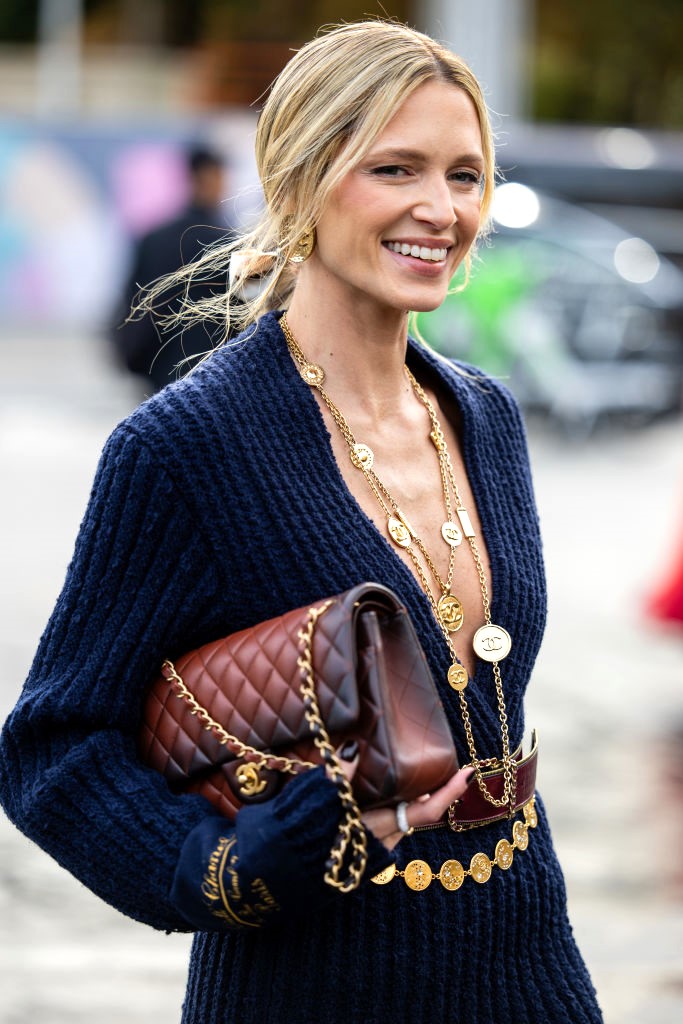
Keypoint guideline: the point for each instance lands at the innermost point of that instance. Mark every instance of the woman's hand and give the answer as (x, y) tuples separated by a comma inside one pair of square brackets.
[(423, 811)]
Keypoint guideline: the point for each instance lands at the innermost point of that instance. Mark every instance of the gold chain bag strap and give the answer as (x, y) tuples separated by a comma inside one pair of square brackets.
[(236, 718)]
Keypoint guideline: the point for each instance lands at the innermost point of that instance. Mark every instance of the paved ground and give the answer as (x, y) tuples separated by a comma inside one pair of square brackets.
[(607, 697)]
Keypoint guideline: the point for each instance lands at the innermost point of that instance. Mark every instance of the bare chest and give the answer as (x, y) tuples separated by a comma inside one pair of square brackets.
[(410, 482)]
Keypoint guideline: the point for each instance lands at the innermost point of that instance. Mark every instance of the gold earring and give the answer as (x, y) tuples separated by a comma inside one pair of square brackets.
[(303, 247)]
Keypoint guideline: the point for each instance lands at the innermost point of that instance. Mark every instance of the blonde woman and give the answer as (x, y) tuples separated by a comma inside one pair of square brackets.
[(323, 448)]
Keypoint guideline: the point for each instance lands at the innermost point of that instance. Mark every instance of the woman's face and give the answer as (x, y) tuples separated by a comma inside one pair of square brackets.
[(397, 226)]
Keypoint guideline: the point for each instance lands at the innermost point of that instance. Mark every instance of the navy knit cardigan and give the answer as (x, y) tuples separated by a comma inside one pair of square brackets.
[(218, 504)]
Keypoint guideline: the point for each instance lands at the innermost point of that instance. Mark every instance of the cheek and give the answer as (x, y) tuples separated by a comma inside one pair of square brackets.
[(473, 215)]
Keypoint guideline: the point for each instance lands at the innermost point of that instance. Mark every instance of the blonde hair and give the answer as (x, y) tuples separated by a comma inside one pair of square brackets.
[(323, 113)]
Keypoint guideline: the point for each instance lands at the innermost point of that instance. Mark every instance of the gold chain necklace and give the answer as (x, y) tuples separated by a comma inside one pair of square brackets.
[(491, 643)]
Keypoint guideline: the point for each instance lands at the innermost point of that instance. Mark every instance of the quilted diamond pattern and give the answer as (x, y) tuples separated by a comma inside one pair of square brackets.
[(372, 680)]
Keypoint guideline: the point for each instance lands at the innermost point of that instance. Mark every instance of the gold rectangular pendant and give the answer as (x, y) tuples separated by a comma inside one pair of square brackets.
[(465, 522)]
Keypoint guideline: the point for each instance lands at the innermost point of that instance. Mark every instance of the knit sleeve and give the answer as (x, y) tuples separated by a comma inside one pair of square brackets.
[(140, 580), (141, 583), (271, 864)]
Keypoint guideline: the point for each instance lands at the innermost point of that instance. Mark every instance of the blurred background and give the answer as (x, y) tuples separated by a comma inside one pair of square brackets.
[(576, 301)]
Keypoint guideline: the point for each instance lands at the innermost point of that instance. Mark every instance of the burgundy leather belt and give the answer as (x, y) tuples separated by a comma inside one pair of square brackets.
[(474, 810)]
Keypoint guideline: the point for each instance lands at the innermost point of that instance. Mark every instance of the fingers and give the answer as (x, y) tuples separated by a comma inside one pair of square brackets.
[(425, 810)]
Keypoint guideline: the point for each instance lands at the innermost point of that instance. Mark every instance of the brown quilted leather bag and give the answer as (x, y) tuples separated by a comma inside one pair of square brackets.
[(234, 719)]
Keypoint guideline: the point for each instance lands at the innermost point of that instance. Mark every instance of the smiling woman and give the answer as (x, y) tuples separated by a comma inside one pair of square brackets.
[(320, 449), (399, 223)]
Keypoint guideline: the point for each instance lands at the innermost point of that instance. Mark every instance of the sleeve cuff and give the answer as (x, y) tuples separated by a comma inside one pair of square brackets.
[(270, 862)]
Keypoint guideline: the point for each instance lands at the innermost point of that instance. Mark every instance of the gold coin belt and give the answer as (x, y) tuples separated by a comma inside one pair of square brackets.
[(418, 875), (491, 643)]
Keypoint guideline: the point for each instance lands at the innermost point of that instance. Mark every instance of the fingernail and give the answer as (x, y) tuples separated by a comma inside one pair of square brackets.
[(471, 778), (349, 750)]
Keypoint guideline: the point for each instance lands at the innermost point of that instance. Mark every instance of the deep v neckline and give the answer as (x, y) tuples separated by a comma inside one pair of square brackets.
[(455, 386)]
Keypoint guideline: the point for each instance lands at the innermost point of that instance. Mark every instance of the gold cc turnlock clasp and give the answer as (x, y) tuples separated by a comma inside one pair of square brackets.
[(250, 782)]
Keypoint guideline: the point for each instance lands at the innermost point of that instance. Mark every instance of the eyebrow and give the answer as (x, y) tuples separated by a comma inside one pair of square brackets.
[(415, 155)]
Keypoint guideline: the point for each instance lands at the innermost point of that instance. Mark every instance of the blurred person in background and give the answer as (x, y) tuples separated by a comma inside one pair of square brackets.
[(141, 344), (321, 448)]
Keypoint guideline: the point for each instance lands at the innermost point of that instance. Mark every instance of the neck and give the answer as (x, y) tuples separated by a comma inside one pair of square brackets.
[(362, 351)]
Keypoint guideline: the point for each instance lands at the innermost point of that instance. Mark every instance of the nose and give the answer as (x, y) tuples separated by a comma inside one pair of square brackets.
[(436, 203)]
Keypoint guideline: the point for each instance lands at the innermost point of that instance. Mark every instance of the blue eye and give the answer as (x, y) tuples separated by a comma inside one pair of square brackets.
[(466, 178), (389, 170)]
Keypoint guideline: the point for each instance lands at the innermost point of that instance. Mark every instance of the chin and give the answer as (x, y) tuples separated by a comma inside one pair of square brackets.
[(426, 305)]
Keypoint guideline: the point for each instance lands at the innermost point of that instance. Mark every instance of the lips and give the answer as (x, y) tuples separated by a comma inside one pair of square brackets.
[(420, 252)]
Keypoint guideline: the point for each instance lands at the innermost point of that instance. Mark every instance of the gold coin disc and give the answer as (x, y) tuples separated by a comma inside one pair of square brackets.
[(480, 868), (457, 676), (417, 875), (492, 643), (450, 613), (451, 875), (362, 456), (452, 534), (384, 877), (504, 854), (530, 814), (520, 835), (398, 532), (313, 374)]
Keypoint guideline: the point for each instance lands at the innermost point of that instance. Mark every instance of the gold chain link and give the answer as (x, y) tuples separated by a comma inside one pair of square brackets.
[(351, 836), (509, 774), (351, 830), (259, 758), (418, 875), (315, 377)]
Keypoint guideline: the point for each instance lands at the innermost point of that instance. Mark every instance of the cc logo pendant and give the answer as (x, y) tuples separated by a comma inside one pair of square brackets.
[(492, 643), (398, 532), (450, 613), (451, 534), (457, 676)]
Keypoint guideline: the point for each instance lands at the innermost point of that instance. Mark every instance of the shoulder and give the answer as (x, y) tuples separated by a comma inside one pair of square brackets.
[(218, 402), (469, 384)]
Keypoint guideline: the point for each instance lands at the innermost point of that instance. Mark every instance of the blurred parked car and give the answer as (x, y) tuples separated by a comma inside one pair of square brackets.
[(583, 320)]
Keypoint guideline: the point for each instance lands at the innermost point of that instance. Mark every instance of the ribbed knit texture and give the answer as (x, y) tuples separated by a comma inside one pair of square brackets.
[(218, 504)]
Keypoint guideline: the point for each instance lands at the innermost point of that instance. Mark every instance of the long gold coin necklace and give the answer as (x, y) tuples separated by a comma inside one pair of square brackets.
[(491, 643)]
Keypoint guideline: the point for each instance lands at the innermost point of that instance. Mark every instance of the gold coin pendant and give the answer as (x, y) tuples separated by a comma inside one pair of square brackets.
[(520, 835), (417, 875), (457, 676), (313, 374), (452, 534), (504, 854), (480, 868), (362, 456), (398, 532), (450, 612), (492, 643), (530, 815), (384, 876), (452, 875)]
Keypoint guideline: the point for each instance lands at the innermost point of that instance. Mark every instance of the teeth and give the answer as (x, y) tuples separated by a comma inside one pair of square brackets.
[(420, 252)]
